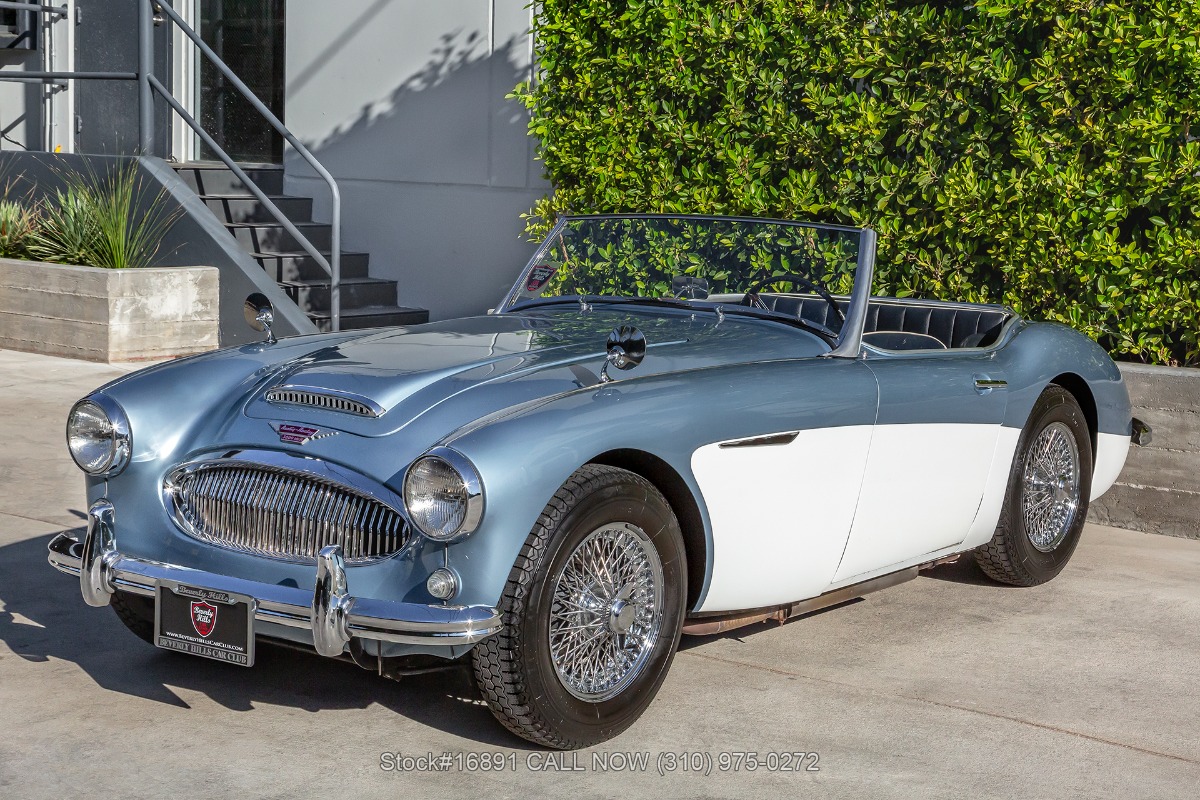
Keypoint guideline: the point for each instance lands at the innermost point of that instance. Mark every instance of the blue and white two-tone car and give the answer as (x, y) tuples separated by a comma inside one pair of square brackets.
[(671, 424)]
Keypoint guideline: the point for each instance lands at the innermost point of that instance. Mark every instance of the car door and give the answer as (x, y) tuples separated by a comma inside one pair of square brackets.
[(780, 496), (931, 454)]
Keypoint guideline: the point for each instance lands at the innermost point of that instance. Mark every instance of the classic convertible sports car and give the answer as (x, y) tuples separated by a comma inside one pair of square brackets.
[(670, 425)]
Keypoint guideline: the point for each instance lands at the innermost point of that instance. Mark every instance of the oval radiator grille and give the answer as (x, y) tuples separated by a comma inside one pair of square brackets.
[(280, 513), (329, 402)]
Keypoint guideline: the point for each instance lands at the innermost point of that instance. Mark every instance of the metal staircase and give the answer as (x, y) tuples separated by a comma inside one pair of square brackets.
[(366, 302), (303, 256)]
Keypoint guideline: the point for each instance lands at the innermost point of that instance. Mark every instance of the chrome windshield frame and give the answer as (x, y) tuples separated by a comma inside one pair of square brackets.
[(849, 340)]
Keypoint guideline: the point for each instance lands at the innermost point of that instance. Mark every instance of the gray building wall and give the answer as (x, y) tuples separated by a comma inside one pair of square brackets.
[(20, 104), (404, 102)]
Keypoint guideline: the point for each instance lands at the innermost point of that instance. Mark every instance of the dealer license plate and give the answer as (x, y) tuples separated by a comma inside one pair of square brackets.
[(205, 622)]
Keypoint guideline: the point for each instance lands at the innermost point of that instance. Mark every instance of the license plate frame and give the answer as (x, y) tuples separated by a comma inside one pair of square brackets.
[(182, 614)]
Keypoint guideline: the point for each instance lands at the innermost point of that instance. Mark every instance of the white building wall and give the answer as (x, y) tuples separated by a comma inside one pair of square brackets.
[(404, 102)]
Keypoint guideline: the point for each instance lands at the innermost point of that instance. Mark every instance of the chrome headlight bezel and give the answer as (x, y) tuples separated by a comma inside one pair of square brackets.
[(472, 495), (119, 436)]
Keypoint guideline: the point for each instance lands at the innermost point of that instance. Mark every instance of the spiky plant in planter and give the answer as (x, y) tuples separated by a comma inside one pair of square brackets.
[(102, 220), (17, 228), (68, 228), (130, 225)]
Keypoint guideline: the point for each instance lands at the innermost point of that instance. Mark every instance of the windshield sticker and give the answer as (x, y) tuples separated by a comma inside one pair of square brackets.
[(538, 277)]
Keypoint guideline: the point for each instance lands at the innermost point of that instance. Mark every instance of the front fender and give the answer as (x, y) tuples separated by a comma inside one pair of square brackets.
[(1042, 351)]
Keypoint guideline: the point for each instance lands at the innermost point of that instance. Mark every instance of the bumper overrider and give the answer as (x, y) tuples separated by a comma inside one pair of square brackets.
[(329, 611)]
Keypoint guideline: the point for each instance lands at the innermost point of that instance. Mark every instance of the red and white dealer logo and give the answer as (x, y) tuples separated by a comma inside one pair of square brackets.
[(204, 617)]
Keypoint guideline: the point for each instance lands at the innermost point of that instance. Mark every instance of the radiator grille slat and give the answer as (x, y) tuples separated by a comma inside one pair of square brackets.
[(281, 513)]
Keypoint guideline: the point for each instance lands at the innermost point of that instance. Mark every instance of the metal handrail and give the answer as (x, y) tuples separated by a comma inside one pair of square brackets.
[(61, 78), (331, 265), (149, 85), (60, 10)]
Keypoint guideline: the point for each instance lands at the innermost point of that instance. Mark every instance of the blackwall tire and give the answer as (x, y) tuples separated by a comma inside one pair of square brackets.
[(1045, 507), (537, 680), (136, 613)]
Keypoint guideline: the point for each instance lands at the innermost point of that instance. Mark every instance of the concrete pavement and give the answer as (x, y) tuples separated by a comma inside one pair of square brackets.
[(947, 686)]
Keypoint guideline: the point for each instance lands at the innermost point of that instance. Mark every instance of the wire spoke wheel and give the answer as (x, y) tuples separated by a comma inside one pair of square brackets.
[(1046, 501), (593, 610), (607, 611), (1051, 482)]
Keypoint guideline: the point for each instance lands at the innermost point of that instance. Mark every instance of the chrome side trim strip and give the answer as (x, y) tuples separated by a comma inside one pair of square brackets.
[(762, 441)]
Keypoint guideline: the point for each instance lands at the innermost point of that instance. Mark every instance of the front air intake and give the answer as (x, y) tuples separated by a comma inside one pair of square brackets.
[(327, 399), (276, 512)]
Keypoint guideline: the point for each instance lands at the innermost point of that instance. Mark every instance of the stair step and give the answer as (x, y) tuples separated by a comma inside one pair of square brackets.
[(366, 302), (314, 296), (246, 208), (373, 317), (258, 237), (297, 265), (219, 179)]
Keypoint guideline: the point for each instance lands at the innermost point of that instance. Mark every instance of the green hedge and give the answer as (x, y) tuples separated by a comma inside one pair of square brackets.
[(1040, 153)]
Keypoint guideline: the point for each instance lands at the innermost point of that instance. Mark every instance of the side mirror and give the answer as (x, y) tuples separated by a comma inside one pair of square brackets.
[(260, 315), (626, 348)]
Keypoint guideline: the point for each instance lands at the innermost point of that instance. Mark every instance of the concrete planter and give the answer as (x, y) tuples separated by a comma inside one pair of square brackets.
[(105, 314), (1159, 489)]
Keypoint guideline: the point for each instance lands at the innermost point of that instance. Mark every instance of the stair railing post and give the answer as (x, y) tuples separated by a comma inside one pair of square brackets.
[(145, 68), (335, 262)]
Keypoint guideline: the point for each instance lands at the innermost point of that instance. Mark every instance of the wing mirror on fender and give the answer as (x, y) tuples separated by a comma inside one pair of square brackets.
[(626, 348), (260, 315)]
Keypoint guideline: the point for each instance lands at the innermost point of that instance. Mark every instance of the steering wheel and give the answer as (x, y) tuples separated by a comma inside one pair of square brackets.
[(751, 298)]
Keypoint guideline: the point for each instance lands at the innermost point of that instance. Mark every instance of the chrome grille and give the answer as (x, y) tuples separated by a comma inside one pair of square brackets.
[(280, 513), (326, 399)]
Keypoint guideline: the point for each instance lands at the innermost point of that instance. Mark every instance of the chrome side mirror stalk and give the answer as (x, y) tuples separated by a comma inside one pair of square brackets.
[(626, 348), (260, 315)]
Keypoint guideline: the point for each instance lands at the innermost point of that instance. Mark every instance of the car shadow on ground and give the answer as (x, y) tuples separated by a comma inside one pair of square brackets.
[(44, 619), (964, 570)]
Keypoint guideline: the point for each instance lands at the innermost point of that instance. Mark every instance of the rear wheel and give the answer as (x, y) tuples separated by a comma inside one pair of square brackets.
[(1047, 499), (591, 613)]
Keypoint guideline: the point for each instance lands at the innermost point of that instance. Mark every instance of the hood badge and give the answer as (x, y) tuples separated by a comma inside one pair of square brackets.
[(300, 434)]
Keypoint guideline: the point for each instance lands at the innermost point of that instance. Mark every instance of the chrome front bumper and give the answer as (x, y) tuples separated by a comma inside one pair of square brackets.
[(330, 612)]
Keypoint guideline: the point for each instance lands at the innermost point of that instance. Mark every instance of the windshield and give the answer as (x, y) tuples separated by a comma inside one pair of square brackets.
[(773, 267)]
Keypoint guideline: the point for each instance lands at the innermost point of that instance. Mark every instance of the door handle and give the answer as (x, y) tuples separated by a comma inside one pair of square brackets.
[(984, 384)]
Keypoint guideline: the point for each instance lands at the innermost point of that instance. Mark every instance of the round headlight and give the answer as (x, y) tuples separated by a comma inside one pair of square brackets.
[(443, 494), (98, 436)]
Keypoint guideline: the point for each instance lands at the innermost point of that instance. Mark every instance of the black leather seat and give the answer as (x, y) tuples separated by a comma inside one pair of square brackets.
[(902, 340), (952, 325)]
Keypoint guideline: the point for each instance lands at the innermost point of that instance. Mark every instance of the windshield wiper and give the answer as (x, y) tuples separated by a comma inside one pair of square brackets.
[(671, 302)]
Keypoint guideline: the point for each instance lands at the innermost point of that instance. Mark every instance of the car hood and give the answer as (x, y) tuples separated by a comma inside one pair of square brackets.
[(460, 370)]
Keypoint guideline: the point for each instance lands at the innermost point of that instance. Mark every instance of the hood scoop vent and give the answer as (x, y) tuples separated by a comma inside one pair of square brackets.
[(328, 399)]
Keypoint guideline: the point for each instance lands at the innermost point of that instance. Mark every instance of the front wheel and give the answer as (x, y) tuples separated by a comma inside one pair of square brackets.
[(591, 613), (136, 613), (1047, 499)]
